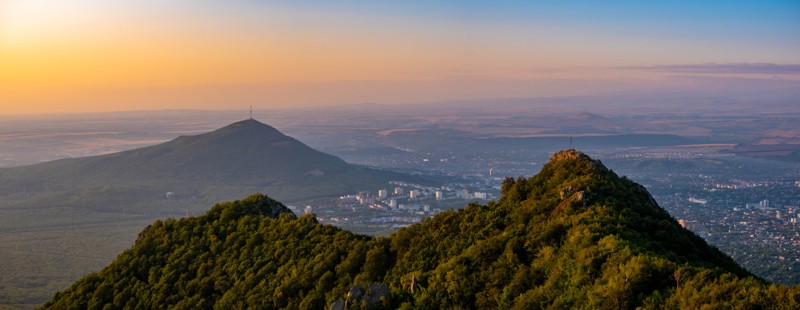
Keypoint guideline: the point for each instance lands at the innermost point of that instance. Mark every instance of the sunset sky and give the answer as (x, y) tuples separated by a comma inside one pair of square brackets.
[(59, 56)]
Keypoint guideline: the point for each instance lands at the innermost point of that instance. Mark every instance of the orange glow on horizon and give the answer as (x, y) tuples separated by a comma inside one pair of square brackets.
[(85, 55)]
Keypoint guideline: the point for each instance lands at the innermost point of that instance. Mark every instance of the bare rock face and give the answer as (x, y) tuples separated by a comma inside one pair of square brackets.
[(374, 293), (368, 297), (338, 305), (355, 293), (567, 155), (572, 154)]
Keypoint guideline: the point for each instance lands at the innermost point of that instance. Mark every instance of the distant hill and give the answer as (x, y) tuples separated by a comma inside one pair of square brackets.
[(575, 235), (60, 219), (248, 155)]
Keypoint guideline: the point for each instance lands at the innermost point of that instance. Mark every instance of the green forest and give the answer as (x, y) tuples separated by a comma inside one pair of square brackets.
[(575, 235)]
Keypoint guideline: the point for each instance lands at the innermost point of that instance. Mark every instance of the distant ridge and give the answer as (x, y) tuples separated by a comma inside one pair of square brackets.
[(575, 235), (586, 116), (240, 152), (248, 154)]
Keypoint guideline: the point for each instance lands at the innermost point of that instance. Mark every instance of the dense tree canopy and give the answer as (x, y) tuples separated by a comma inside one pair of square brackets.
[(574, 236)]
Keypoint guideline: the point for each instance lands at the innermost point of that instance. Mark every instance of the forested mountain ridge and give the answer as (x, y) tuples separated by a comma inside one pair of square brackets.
[(573, 236)]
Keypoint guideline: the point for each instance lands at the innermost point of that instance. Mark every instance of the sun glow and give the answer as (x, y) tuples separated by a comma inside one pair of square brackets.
[(26, 22), (54, 52)]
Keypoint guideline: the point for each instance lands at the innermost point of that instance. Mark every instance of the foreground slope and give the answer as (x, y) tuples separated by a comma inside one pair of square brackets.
[(574, 236)]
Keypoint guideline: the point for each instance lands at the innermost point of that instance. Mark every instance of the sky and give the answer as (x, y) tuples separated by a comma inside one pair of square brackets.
[(74, 56)]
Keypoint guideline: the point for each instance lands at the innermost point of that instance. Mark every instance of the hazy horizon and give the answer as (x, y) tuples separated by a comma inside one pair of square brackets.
[(92, 56)]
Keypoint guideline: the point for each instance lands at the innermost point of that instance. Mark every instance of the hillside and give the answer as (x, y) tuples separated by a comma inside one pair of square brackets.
[(62, 219), (573, 236), (246, 156)]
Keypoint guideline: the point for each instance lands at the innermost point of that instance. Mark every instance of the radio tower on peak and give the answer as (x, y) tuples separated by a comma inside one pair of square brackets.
[(251, 112)]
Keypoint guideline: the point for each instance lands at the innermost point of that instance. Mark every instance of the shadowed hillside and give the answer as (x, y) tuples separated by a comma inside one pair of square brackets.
[(574, 236), (243, 154)]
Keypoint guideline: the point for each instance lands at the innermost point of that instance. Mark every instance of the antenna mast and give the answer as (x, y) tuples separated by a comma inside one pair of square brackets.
[(251, 112), (570, 143)]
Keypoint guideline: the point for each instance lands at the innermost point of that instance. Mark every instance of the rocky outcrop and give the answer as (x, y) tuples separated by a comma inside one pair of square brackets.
[(368, 297)]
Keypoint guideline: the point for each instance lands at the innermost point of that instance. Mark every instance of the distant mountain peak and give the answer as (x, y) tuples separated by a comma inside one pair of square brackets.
[(247, 154), (251, 126), (248, 124), (587, 116)]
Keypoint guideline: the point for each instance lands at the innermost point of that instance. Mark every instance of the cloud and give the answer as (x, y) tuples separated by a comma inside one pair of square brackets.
[(728, 68)]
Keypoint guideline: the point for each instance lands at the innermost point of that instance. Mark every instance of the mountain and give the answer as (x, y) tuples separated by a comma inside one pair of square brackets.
[(248, 155), (575, 235), (74, 214)]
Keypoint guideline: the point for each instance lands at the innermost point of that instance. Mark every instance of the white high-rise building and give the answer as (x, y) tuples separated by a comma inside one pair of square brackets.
[(382, 194), (413, 194), (439, 195)]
